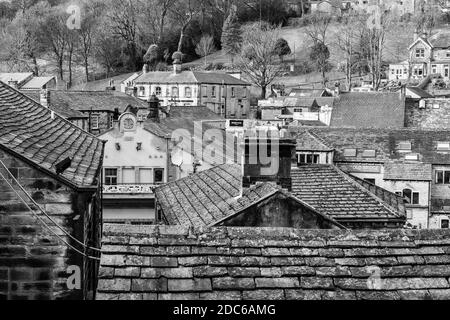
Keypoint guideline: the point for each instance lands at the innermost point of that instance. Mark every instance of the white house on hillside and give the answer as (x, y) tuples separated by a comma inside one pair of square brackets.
[(222, 93)]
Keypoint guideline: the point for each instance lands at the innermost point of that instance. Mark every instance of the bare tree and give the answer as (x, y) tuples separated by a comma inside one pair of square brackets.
[(346, 42), (317, 25), (122, 15), (373, 38), (53, 35), (205, 47), (185, 12), (258, 59)]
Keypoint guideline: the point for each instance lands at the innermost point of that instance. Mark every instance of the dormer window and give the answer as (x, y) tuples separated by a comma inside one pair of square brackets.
[(443, 146), (349, 152), (369, 154)]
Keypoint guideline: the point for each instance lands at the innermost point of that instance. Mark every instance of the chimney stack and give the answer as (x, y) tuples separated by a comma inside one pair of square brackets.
[(13, 84), (44, 98), (153, 108), (268, 158), (145, 68), (177, 57)]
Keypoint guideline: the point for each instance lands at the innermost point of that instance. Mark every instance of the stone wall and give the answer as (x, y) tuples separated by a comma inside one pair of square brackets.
[(33, 261), (174, 262)]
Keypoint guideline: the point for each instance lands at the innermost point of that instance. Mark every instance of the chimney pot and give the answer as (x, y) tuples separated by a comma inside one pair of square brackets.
[(45, 98)]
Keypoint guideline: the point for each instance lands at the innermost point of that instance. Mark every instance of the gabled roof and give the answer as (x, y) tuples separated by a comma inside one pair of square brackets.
[(175, 263), (408, 171), (423, 40), (342, 197), (191, 77), (28, 130), (36, 83), (212, 195), (308, 92), (300, 102), (369, 110), (385, 142)]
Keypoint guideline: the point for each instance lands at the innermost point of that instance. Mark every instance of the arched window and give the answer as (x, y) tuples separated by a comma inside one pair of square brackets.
[(174, 91), (187, 92), (158, 91)]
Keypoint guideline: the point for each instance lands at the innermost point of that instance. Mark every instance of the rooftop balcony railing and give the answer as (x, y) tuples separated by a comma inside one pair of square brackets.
[(129, 188)]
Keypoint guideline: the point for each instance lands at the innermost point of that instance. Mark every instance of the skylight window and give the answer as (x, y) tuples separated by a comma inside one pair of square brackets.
[(349, 152)]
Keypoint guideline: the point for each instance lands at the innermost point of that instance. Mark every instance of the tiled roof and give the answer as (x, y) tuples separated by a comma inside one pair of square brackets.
[(205, 197), (210, 195), (307, 92), (91, 100), (62, 109), (175, 263), (342, 197), (189, 77), (28, 130), (408, 171), (440, 40), (299, 102), (306, 141), (369, 110), (36, 83), (385, 142)]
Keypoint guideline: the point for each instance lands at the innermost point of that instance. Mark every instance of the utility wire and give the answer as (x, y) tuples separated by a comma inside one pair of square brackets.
[(43, 211), (45, 223)]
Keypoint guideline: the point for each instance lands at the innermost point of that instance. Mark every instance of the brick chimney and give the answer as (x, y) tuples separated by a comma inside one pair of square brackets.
[(268, 157), (44, 98), (153, 108)]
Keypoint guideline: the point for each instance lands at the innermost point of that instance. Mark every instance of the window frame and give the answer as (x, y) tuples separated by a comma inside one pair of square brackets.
[(158, 91), (97, 117), (109, 176), (155, 171)]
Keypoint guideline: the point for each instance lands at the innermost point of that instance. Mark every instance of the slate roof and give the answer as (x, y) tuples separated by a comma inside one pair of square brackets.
[(229, 263), (189, 77), (420, 92), (306, 141), (20, 77), (36, 83), (368, 110), (180, 118), (307, 92), (87, 100), (342, 197), (385, 142), (209, 196), (299, 102), (28, 131), (101, 85), (440, 40), (408, 171), (62, 109)]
